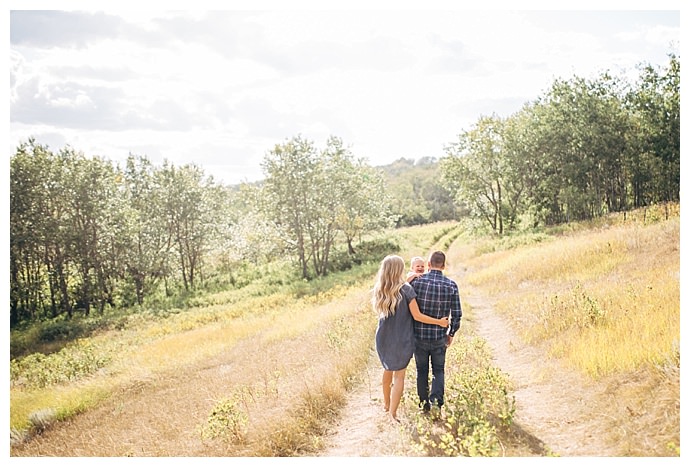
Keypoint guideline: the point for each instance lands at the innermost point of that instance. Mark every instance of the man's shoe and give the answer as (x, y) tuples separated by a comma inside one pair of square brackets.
[(426, 406)]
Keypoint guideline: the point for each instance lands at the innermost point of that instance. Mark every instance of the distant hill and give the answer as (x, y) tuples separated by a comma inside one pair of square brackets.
[(419, 197)]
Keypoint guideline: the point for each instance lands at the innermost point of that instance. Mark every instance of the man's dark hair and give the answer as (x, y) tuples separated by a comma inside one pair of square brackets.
[(437, 259)]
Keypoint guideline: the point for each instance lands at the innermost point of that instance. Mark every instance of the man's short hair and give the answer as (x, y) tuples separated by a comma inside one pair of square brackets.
[(437, 259)]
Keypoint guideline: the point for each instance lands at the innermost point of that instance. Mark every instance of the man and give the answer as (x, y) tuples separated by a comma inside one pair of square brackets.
[(437, 296)]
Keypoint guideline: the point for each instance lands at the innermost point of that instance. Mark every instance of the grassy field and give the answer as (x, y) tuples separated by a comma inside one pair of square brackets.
[(604, 297)]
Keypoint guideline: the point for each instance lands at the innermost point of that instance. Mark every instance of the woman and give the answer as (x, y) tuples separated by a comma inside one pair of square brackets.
[(393, 299)]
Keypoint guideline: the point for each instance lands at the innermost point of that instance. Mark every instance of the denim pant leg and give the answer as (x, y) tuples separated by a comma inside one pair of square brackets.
[(421, 358), (434, 351), (438, 366)]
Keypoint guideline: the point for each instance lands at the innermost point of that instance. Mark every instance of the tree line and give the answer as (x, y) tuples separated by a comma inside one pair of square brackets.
[(88, 234), (585, 148)]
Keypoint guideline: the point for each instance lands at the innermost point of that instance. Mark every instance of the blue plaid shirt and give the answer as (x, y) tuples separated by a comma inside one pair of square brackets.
[(437, 296)]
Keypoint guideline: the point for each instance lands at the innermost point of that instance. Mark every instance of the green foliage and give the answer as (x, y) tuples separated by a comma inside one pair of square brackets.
[(417, 195), (86, 236), (365, 252), (227, 420), (76, 361), (315, 196), (475, 170), (60, 330), (584, 149), (477, 407)]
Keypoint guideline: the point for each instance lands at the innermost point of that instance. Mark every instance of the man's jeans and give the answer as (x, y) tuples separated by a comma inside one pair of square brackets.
[(435, 351)]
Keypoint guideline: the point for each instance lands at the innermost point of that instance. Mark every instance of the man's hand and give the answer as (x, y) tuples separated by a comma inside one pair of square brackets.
[(449, 340)]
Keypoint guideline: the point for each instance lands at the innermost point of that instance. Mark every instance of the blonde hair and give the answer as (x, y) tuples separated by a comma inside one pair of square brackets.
[(416, 259), (389, 280)]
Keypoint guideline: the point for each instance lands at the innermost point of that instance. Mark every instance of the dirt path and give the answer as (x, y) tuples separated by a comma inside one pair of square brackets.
[(554, 404), (555, 407), (364, 429)]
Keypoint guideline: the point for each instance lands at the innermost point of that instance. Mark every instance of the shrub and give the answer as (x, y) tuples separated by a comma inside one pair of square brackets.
[(70, 364), (59, 329), (477, 406), (227, 420)]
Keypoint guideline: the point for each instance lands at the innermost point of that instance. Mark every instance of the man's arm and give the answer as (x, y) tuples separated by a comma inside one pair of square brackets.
[(455, 313)]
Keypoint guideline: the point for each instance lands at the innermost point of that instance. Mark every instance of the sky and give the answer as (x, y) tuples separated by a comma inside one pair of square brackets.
[(220, 84)]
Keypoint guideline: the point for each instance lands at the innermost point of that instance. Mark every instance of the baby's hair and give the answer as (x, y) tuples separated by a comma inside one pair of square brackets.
[(415, 259)]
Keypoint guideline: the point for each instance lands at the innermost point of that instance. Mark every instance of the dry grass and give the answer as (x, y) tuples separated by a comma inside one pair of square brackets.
[(607, 302), (285, 364), (284, 371)]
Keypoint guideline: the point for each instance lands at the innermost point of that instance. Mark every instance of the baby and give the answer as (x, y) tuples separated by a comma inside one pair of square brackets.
[(417, 268)]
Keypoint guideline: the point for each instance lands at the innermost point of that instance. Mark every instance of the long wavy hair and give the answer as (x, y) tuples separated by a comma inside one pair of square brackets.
[(389, 280)]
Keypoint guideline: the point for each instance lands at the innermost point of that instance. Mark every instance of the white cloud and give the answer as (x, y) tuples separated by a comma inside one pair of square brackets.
[(221, 89)]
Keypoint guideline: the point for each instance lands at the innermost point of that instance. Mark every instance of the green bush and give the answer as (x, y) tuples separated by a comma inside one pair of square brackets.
[(69, 364), (61, 329), (227, 420), (477, 407)]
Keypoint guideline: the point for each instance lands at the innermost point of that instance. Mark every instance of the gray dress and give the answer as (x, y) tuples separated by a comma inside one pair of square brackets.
[(395, 334)]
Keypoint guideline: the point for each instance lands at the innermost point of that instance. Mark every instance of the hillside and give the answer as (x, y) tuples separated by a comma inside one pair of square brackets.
[(271, 370)]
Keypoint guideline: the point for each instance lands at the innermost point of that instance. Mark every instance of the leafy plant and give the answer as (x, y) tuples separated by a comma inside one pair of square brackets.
[(477, 406), (227, 420)]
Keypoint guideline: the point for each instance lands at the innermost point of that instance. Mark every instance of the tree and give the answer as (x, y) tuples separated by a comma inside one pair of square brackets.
[(191, 204), (92, 195), (149, 241), (655, 162), (474, 170), (30, 219), (291, 171), (358, 193), (522, 152), (314, 195), (577, 134), (416, 193)]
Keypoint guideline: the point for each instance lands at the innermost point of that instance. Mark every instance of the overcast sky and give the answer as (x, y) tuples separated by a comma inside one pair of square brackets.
[(221, 88)]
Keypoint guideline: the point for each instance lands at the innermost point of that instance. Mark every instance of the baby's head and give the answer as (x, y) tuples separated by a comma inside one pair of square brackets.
[(417, 265)]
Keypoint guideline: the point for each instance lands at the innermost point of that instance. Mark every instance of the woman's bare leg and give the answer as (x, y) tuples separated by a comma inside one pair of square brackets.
[(397, 391), (386, 383)]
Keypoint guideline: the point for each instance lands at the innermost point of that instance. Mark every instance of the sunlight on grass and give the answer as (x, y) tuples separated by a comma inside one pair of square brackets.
[(66, 401), (642, 326), (606, 300)]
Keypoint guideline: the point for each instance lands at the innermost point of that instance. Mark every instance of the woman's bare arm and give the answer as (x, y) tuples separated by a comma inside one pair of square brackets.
[(422, 318)]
